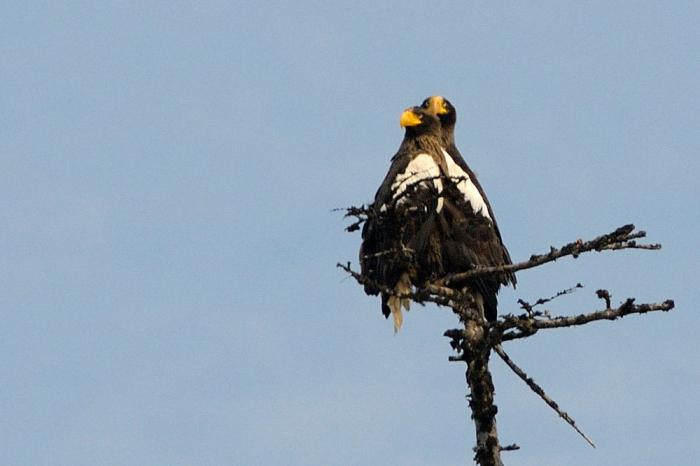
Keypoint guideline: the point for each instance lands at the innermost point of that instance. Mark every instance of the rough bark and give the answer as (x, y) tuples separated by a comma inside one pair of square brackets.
[(476, 352)]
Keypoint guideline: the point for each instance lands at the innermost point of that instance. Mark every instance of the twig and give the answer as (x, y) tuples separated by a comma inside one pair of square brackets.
[(440, 295), (510, 447), (364, 212), (530, 307), (605, 295), (540, 392), (435, 294)]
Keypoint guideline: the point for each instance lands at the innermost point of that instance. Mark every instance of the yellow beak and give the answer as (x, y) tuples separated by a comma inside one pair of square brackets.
[(436, 105), (409, 118)]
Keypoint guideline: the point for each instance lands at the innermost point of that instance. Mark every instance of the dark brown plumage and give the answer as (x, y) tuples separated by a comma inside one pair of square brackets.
[(492, 251), (429, 219), (400, 244)]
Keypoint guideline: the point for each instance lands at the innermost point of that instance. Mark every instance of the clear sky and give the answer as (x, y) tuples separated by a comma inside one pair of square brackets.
[(168, 290)]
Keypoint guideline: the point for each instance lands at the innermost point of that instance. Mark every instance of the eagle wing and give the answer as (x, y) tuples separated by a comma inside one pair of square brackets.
[(498, 252), (398, 237)]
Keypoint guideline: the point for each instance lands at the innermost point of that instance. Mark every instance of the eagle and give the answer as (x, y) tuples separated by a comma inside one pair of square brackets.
[(430, 218)]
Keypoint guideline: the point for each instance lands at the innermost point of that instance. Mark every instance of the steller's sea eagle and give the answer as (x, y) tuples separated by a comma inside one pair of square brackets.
[(430, 217)]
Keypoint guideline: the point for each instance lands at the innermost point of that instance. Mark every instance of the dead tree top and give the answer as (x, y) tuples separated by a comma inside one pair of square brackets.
[(475, 341)]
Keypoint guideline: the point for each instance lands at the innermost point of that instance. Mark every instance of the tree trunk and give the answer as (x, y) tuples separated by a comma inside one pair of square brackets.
[(476, 352)]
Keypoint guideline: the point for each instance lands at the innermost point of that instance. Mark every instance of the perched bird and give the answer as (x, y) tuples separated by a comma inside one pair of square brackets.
[(400, 241), (430, 218), (476, 239)]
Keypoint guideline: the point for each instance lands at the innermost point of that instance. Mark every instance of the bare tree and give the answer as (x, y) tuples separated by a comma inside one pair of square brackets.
[(476, 338)]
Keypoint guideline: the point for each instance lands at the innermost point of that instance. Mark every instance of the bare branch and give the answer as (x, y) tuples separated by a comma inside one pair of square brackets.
[(433, 294), (621, 238), (364, 212), (428, 293), (539, 391), (361, 213), (510, 447), (527, 325), (530, 307), (605, 295)]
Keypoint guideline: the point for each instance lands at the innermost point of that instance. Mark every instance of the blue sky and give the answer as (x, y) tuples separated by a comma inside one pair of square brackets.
[(168, 288)]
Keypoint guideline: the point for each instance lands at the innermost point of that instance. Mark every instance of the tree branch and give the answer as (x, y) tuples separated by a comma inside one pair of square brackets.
[(429, 292), (539, 391), (530, 308), (621, 238), (528, 325)]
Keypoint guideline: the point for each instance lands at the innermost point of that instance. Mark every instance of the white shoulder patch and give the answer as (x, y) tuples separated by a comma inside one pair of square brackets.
[(466, 187), (422, 167)]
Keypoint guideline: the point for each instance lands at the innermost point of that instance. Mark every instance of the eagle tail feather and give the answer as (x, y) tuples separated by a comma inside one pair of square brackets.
[(489, 301), (392, 304)]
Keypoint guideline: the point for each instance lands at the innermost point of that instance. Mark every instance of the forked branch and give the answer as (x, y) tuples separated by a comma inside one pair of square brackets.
[(478, 337)]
